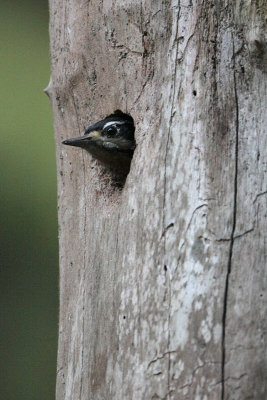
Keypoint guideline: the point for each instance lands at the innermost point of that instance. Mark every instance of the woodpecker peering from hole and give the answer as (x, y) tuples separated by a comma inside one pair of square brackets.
[(110, 140)]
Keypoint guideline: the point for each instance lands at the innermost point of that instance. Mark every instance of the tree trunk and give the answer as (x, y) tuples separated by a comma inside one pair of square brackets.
[(162, 283)]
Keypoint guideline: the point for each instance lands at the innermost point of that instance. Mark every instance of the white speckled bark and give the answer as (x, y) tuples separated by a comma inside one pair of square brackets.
[(162, 284)]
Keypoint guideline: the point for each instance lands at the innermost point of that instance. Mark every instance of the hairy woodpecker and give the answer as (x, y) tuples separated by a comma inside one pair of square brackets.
[(110, 140)]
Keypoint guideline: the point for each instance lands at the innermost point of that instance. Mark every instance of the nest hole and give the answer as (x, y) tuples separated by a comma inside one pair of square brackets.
[(120, 165)]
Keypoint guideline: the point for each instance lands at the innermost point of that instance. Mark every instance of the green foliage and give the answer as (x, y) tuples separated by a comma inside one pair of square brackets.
[(29, 261)]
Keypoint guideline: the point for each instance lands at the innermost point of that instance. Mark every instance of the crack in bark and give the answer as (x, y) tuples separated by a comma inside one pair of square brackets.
[(172, 105), (235, 237), (83, 276), (165, 178), (171, 225), (167, 353), (141, 92), (243, 233), (237, 378), (82, 351), (229, 266), (193, 213), (84, 256), (215, 49), (189, 223), (259, 195), (187, 44), (144, 54), (193, 375)]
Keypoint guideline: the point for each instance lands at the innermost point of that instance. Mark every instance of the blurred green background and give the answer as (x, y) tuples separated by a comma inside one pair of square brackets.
[(29, 254)]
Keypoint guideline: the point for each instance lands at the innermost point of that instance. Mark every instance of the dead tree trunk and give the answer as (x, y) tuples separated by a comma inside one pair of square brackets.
[(162, 283)]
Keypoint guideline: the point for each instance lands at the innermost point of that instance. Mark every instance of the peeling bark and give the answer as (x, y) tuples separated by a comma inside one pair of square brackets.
[(162, 283)]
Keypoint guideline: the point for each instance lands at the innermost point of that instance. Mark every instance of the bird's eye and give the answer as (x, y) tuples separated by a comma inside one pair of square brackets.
[(111, 131)]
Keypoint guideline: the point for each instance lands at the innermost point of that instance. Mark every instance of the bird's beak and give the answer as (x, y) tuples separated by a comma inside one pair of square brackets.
[(82, 141)]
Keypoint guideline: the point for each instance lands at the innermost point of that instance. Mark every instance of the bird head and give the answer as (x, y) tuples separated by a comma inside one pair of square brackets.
[(110, 140)]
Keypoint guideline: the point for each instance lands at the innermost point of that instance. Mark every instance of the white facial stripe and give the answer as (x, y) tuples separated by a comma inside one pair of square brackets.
[(113, 123)]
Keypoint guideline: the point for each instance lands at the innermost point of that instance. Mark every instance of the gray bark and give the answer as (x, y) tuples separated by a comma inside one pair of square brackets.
[(162, 283)]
